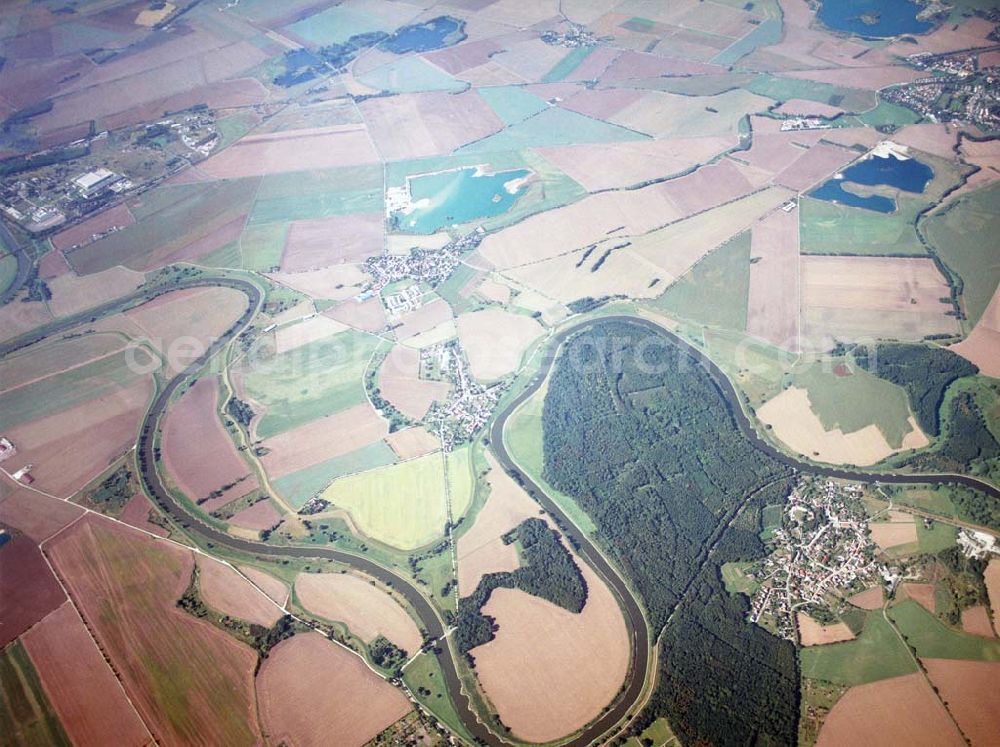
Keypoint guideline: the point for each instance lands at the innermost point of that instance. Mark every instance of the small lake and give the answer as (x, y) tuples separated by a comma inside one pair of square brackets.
[(874, 18), (438, 32), (909, 175), (449, 197)]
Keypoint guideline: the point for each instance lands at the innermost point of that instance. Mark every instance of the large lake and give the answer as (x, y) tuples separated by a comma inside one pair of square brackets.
[(433, 34), (452, 197), (876, 18), (909, 175)]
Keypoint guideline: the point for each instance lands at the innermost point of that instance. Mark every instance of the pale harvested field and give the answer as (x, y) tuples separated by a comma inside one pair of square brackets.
[(368, 610), (495, 340), (973, 33), (322, 439), (818, 163), (938, 139), (258, 517), (549, 671), (52, 265), (493, 290), (38, 363), (273, 587), (813, 633), (18, 318), (773, 305), (601, 103), (126, 586), (850, 136), (992, 578), (454, 60), (414, 442), (481, 549), (367, 315), (198, 453), (181, 325), (976, 620), (893, 295), (869, 599), (72, 293), (922, 594), (402, 243), (400, 384), (822, 325), (806, 108), (310, 690), (82, 233), (900, 710), (530, 59), (70, 448), (969, 688), (676, 248), (226, 591), (871, 78), (794, 423), (296, 335), (314, 244), (136, 513), (427, 124), (710, 186), (893, 533), (337, 282), (982, 346), (90, 703), (424, 319), (662, 255), (295, 150), (666, 115), (637, 65), (37, 515)]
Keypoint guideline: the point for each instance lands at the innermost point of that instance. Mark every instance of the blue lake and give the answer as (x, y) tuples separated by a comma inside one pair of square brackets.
[(458, 197), (874, 18), (423, 37), (909, 175)]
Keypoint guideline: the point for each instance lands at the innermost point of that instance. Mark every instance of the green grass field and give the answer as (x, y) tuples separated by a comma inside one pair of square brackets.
[(755, 366), (311, 381), (770, 520), (783, 89), (937, 538), (168, 218), (411, 75), (735, 578), (307, 195), (62, 391), (8, 271), (424, 678), (261, 247), (965, 237), (933, 639), (512, 103), (657, 734), (887, 113), (554, 126), (523, 438), (715, 291), (299, 487), (404, 505), (875, 655), (26, 715), (854, 402), (827, 228)]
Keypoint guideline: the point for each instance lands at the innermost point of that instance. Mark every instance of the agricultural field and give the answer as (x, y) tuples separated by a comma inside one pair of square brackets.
[(406, 505), (406, 231)]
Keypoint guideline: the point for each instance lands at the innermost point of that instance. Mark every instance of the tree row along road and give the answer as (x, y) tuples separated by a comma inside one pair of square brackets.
[(429, 617)]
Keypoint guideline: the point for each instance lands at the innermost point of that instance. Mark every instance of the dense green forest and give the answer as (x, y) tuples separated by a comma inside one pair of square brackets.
[(924, 372), (547, 571), (967, 441), (639, 434)]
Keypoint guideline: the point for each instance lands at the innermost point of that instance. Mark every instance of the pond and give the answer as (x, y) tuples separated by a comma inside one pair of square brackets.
[(873, 18), (451, 197), (438, 32), (907, 174)]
